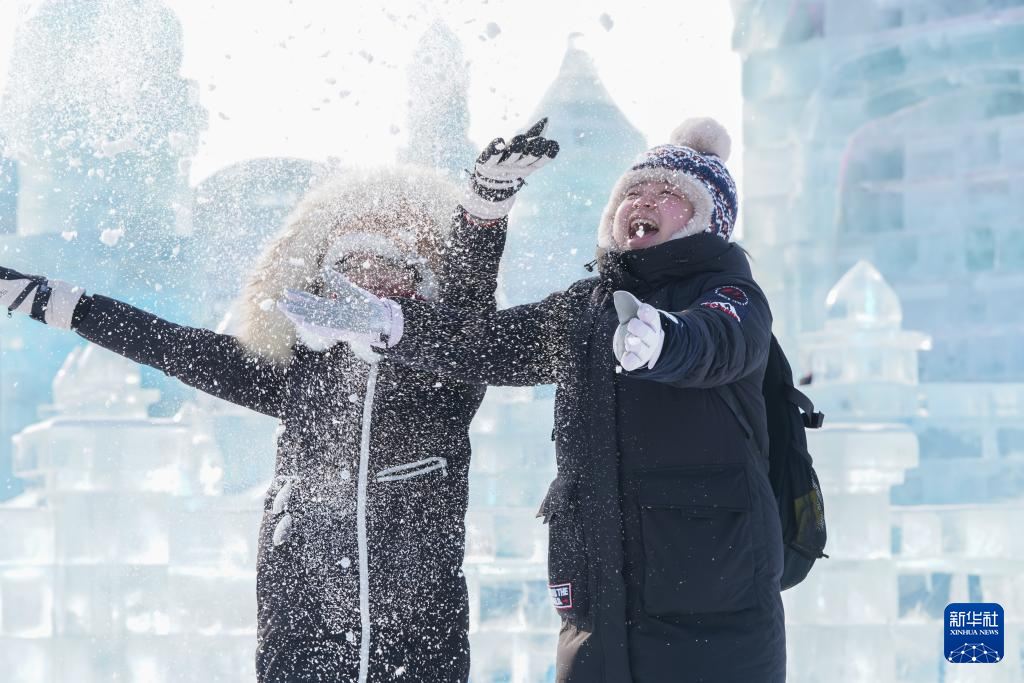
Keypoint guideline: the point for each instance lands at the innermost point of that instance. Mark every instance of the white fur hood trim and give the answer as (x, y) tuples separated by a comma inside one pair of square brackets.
[(408, 206)]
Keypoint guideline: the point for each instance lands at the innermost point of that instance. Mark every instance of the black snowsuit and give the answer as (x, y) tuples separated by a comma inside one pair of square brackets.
[(665, 549), (368, 585)]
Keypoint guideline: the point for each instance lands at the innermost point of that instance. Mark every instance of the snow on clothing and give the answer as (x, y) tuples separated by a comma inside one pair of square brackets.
[(374, 460), (665, 550)]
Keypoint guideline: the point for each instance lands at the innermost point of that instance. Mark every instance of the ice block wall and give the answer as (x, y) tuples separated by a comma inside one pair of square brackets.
[(890, 131), (126, 561)]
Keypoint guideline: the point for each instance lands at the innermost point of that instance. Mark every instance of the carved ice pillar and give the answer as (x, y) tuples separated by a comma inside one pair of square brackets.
[(863, 372)]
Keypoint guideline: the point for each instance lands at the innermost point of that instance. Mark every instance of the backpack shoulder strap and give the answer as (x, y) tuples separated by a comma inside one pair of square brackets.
[(729, 396), (811, 418)]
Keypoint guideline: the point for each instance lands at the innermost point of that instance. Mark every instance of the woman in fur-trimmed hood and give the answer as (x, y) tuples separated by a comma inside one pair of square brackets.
[(361, 545), (398, 215), (362, 538)]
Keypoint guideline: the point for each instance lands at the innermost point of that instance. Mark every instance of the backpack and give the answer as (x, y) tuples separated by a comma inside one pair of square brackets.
[(790, 467)]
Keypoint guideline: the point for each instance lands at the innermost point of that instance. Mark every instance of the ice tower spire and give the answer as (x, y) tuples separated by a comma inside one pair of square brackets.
[(95, 105), (862, 299), (438, 116), (577, 82), (863, 342), (556, 221)]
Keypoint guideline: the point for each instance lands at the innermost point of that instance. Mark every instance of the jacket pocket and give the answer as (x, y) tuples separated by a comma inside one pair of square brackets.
[(698, 553), (410, 470), (567, 552)]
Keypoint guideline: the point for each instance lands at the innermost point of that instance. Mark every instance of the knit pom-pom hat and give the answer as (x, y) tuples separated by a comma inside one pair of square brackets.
[(694, 161)]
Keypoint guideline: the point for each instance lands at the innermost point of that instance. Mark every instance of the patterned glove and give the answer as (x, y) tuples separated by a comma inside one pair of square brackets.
[(51, 302), (349, 313), (639, 336), (500, 171)]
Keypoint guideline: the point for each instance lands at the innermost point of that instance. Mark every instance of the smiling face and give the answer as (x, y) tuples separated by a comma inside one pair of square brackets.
[(649, 214)]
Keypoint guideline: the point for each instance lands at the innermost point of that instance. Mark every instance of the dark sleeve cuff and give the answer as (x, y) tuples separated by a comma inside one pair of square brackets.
[(81, 310)]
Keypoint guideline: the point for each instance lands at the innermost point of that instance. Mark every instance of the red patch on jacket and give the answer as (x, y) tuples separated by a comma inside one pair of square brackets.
[(733, 295), (728, 309)]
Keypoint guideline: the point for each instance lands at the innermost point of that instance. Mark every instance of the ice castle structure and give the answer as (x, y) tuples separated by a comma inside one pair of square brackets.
[(888, 133), (122, 555), (98, 130), (891, 131), (438, 119), (873, 611)]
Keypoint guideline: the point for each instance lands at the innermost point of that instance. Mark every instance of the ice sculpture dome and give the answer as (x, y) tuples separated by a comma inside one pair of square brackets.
[(862, 299)]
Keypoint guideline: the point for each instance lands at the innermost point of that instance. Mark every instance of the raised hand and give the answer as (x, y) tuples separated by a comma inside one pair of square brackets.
[(501, 169)]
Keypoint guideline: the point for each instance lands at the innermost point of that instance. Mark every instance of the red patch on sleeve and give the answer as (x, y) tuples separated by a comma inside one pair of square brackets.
[(728, 309)]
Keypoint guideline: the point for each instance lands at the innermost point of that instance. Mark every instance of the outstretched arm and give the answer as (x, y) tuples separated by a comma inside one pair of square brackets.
[(520, 346), (468, 269), (216, 364), (722, 337), (210, 362)]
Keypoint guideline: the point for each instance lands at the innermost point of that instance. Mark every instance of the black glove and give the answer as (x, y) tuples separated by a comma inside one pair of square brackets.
[(500, 170)]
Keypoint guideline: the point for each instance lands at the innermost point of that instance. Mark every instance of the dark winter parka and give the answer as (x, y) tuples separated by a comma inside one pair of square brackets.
[(365, 583), (665, 550)]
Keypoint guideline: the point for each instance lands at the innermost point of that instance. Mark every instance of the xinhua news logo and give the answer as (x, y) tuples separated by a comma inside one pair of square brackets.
[(974, 633)]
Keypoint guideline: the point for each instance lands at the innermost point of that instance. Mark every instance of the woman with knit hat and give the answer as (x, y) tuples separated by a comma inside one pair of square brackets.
[(359, 576), (665, 548)]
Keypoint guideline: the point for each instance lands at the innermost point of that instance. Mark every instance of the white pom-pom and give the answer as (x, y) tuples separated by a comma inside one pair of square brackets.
[(704, 135)]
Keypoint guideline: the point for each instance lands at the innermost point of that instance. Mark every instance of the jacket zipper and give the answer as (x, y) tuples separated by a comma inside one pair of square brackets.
[(364, 562)]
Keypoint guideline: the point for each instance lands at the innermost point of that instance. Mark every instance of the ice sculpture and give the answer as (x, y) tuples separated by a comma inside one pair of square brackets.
[(863, 362), (554, 225), (99, 128), (122, 553), (438, 117), (839, 619), (873, 610), (890, 131)]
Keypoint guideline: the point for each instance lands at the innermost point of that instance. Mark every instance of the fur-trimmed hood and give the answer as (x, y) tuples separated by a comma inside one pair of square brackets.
[(401, 209)]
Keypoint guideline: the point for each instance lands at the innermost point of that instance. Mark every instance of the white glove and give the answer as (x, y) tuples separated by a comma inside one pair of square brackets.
[(500, 171), (51, 302), (349, 313), (639, 336)]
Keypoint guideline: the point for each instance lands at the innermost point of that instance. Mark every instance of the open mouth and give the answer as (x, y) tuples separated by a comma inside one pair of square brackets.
[(641, 227)]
